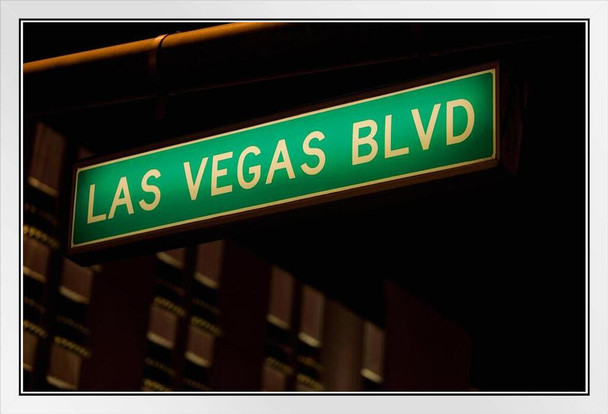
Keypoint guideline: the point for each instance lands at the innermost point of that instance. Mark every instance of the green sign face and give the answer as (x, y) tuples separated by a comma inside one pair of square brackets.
[(414, 132)]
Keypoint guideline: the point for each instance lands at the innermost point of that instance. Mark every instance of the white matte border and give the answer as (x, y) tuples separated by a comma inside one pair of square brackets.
[(10, 402)]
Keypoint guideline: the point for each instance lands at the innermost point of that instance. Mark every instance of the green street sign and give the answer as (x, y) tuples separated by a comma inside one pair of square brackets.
[(411, 134)]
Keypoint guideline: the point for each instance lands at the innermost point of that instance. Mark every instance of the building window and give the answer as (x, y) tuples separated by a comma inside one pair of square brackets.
[(209, 263), (281, 298), (36, 257), (76, 282), (47, 160), (65, 364), (274, 375), (30, 346), (294, 335), (200, 346), (373, 356), (309, 368), (162, 328)]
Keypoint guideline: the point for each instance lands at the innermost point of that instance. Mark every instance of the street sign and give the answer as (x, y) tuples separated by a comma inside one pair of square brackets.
[(414, 133)]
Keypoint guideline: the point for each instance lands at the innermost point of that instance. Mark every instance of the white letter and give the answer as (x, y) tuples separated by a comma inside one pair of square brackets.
[(450, 138), (215, 174), (280, 151), (123, 187), (313, 151), (193, 187), (90, 217), (150, 189), (388, 151), (425, 136), (255, 170), (369, 140)]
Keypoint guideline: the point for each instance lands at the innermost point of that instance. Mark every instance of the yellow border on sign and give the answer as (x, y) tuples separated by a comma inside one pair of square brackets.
[(305, 196)]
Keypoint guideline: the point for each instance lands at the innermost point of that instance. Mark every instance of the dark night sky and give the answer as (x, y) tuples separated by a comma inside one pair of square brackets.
[(44, 40)]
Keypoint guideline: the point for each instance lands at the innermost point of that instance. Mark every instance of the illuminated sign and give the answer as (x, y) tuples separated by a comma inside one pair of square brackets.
[(415, 133)]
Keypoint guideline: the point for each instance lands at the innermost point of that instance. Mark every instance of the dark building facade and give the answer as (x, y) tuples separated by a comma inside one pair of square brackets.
[(474, 282)]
